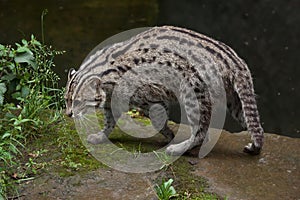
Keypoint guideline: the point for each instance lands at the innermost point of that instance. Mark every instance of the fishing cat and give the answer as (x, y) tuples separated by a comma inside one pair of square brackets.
[(197, 59)]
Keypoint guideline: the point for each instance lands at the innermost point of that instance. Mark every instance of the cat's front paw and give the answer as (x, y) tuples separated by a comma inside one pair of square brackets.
[(96, 138), (252, 149), (177, 149)]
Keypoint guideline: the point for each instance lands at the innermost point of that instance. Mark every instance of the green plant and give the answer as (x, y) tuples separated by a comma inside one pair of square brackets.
[(165, 159), (69, 163), (30, 103), (204, 196), (136, 152), (44, 13), (165, 190)]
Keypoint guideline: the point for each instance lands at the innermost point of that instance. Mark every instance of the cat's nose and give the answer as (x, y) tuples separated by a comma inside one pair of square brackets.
[(69, 113)]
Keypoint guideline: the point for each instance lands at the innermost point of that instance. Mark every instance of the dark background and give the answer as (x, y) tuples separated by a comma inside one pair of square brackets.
[(265, 33)]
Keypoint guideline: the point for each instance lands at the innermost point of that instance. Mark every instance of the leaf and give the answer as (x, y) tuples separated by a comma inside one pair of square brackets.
[(2, 91), (22, 121), (172, 190), (23, 50), (34, 41), (7, 134), (16, 95), (165, 190), (168, 183), (11, 54), (24, 42), (25, 91), (26, 57), (9, 115), (11, 66), (2, 47), (2, 88), (8, 77)]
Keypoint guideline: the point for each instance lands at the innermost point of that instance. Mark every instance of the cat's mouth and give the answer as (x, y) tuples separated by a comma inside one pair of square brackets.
[(77, 115), (85, 111)]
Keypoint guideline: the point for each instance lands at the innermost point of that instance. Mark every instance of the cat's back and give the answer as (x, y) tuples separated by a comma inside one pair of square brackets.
[(197, 48)]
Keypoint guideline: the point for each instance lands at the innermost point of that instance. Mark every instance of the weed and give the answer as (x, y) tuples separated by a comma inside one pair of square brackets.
[(69, 163), (164, 158), (74, 155), (30, 103), (136, 152), (204, 196), (165, 190)]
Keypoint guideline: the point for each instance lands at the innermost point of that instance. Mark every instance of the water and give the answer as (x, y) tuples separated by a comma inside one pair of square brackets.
[(75, 26), (265, 34)]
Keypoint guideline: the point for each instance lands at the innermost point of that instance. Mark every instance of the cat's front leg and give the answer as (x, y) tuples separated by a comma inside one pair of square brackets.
[(102, 136)]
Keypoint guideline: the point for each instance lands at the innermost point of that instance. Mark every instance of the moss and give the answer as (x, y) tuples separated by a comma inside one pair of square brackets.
[(65, 155), (63, 151), (75, 157), (186, 184)]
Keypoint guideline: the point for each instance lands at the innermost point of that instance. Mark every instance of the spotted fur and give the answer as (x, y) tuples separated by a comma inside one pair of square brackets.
[(198, 59)]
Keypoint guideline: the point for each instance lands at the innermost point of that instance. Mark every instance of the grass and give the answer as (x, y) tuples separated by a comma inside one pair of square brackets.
[(30, 104), (61, 151)]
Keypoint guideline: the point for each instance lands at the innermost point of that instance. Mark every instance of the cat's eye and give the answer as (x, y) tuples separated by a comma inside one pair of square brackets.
[(76, 102)]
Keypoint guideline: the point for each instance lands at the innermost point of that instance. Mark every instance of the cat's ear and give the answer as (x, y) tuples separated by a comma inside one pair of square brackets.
[(72, 71)]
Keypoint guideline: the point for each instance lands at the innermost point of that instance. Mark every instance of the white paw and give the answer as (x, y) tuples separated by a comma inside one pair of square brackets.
[(252, 149), (96, 138), (177, 149)]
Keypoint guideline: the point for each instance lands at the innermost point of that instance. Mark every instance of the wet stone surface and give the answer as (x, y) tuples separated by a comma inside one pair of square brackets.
[(99, 184), (230, 173), (275, 174)]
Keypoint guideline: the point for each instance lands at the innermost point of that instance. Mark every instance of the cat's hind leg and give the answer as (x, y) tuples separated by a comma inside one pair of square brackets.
[(198, 110), (159, 119), (234, 107)]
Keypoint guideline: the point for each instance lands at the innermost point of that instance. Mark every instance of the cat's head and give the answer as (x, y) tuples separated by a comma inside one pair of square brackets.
[(82, 93)]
